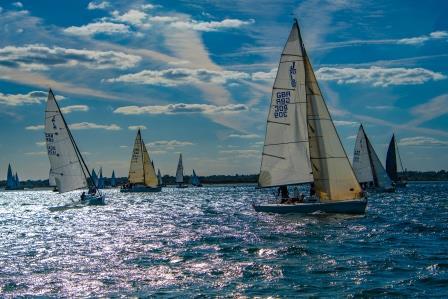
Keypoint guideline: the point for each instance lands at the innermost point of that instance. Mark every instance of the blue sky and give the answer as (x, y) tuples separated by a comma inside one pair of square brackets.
[(197, 77)]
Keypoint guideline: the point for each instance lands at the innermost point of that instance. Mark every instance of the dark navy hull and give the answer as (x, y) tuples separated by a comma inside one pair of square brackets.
[(339, 207)]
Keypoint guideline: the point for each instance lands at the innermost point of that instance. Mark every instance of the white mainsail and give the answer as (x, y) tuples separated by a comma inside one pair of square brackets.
[(180, 171), (65, 159), (141, 170), (361, 160), (334, 178), (285, 158)]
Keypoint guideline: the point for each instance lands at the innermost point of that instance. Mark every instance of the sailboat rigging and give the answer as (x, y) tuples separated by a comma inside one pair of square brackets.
[(67, 164), (302, 144)]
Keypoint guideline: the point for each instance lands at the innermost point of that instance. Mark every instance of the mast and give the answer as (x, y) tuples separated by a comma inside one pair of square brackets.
[(78, 153)]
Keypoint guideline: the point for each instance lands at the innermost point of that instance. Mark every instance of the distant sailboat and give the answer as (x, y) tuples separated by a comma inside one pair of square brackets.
[(12, 181), (367, 166), (302, 145), (142, 176), (113, 180), (160, 179), (195, 180), (67, 164), (94, 177), (180, 174), (392, 164), (101, 179)]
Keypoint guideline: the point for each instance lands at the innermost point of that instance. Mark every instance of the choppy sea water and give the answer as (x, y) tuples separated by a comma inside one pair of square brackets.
[(210, 242)]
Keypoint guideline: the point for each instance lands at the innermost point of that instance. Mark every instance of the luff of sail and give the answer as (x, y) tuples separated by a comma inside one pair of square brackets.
[(67, 167), (141, 170), (285, 157), (333, 175), (180, 171)]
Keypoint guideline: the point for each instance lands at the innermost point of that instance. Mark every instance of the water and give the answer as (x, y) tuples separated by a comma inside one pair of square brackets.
[(210, 242)]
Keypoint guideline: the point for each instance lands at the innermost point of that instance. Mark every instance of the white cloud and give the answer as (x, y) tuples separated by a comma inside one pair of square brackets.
[(180, 76), (98, 28), (211, 26), (378, 76), (33, 97), (424, 38), (180, 108), (35, 128), (422, 141), (36, 153), (148, 6), (168, 144), (263, 76), (41, 143), (18, 4), (124, 146), (244, 136), (135, 128), (41, 58), (98, 5), (133, 17), (341, 123), (434, 108), (74, 108), (242, 153), (88, 126), (380, 107), (351, 137)]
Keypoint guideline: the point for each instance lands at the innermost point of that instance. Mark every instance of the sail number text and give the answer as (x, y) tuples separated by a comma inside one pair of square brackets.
[(283, 98)]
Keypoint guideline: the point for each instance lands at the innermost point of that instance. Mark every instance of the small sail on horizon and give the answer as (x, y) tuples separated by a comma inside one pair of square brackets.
[(180, 171), (195, 180), (10, 179), (113, 180), (367, 165), (159, 178), (68, 166), (141, 170), (101, 179)]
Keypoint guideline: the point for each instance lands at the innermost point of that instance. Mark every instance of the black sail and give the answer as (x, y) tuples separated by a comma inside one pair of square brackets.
[(391, 160)]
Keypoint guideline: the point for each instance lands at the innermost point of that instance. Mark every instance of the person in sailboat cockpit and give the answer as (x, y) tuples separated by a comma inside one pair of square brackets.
[(283, 192)]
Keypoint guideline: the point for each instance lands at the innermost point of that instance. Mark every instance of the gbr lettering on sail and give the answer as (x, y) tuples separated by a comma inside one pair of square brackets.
[(283, 98)]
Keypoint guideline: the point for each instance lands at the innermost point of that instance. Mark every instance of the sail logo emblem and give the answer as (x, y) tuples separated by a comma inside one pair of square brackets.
[(292, 74)]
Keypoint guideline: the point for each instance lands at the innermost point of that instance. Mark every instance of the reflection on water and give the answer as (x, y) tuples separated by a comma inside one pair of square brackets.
[(209, 241)]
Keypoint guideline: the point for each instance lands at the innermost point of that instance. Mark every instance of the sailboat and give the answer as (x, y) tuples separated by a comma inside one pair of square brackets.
[(94, 177), (101, 179), (142, 176), (367, 166), (67, 164), (12, 181), (302, 145), (180, 174), (195, 180), (392, 164), (113, 180), (160, 179)]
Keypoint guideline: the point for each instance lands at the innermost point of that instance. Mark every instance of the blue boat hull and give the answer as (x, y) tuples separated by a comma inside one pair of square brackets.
[(137, 189), (94, 200), (339, 207)]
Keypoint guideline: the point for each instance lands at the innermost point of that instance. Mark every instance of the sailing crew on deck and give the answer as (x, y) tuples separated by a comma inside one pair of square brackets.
[(312, 190), (283, 191), (295, 192)]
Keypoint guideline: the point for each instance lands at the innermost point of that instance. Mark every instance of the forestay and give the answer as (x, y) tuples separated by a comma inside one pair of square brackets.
[(64, 158), (285, 157), (334, 178)]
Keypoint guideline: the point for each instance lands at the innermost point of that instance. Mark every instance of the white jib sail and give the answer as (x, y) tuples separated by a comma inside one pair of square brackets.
[(64, 160), (159, 177), (383, 180), (285, 157), (334, 178), (361, 160), (180, 171)]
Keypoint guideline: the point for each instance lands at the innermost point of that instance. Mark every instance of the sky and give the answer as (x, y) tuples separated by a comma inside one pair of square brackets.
[(196, 77)]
